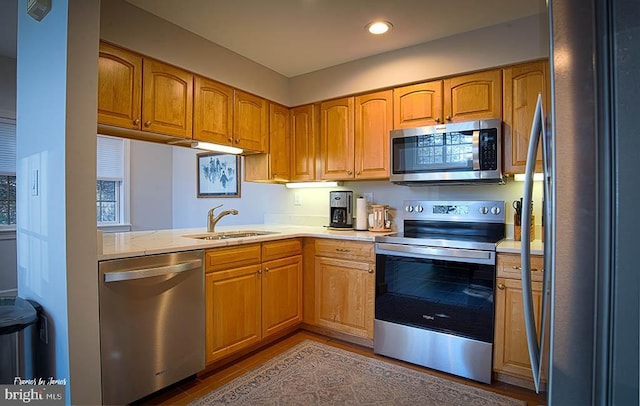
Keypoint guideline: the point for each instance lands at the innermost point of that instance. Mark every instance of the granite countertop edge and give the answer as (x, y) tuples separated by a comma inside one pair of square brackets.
[(141, 243), (513, 247)]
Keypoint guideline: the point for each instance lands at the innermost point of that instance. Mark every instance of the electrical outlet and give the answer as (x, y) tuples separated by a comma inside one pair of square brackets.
[(369, 197)]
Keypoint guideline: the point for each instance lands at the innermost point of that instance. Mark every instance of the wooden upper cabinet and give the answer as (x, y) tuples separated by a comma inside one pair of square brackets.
[(473, 97), (279, 142), (336, 139), (272, 166), (167, 99), (251, 122), (304, 130), (119, 87), (417, 105), (212, 111), (373, 120), (522, 84)]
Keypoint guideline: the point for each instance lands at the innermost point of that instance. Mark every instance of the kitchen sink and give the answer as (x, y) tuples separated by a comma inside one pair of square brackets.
[(226, 235)]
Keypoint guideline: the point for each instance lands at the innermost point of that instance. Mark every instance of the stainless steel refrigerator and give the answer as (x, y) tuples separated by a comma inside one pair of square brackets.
[(592, 187)]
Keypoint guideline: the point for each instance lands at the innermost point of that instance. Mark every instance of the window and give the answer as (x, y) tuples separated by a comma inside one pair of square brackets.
[(112, 181), (7, 172)]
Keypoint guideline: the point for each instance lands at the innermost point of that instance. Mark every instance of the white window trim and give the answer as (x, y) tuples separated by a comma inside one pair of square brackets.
[(125, 192)]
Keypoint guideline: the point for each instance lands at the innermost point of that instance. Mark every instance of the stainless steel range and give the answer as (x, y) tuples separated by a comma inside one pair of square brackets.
[(435, 286)]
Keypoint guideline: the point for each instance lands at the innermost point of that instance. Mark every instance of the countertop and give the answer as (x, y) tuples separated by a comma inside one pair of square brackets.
[(139, 243), (512, 246)]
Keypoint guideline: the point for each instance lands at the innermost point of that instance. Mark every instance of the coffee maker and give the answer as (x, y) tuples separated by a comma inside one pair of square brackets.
[(340, 206)]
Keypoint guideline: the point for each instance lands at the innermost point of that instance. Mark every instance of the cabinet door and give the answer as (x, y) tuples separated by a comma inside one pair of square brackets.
[(344, 294), (119, 87), (272, 166), (522, 84), (373, 120), (337, 141), (281, 294), (473, 97), (279, 142), (304, 129), (232, 310), (167, 99), (417, 105), (212, 111), (510, 353), (250, 122)]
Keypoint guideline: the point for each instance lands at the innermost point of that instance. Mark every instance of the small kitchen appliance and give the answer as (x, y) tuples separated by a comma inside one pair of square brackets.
[(340, 209)]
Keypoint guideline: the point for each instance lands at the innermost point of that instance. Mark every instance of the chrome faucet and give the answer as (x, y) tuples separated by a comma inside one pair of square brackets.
[(212, 221)]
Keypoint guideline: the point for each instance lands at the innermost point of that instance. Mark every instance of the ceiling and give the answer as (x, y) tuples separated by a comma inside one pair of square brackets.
[(293, 37)]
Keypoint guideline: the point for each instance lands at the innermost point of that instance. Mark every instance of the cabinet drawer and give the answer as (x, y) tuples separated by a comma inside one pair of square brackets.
[(232, 257), (281, 249), (509, 266), (343, 249)]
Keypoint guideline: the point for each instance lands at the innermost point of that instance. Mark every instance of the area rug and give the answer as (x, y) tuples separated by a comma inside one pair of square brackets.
[(313, 373)]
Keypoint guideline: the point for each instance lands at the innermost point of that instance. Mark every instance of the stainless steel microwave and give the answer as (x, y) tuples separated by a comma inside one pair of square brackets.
[(448, 153)]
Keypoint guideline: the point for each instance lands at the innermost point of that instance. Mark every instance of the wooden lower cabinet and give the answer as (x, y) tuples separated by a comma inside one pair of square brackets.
[(344, 296), (248, 300), (281, 294), (233, 301), (510, 351)]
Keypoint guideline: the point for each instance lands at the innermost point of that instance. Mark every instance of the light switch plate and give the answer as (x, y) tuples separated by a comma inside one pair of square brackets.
[(297, 199)]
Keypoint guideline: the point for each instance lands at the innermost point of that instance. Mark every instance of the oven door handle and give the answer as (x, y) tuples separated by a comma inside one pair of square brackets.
[(382, 248)]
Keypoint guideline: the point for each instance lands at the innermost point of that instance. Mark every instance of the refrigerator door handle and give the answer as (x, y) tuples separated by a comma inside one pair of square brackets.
[(535, 347)]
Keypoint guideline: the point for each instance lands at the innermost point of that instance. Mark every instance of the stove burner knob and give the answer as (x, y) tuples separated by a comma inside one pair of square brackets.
[(408, 209), (484, 210), (419, 209), (495, 210)]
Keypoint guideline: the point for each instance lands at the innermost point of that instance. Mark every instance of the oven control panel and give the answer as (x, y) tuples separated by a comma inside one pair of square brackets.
[(477, 210)]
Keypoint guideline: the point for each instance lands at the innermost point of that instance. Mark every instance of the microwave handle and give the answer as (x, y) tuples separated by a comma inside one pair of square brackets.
[(475, 147)]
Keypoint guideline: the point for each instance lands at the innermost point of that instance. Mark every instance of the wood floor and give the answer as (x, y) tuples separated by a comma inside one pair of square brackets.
[(191, 390)]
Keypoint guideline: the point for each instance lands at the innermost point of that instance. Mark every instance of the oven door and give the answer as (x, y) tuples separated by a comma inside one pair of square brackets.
[(438, 289)]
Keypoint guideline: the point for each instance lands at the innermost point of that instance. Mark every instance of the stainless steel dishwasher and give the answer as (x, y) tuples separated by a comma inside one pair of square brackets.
[(151, 323)]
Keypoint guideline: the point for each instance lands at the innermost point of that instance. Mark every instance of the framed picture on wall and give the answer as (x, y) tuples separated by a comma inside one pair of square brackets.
[(218, 175)]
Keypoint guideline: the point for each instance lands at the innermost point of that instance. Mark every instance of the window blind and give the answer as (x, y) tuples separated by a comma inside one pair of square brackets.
[(7, 147), (110, 158)]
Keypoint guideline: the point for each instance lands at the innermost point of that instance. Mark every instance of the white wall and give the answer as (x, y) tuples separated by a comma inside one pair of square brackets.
[(190, 211), (503, 44), (151, 188), (56, 229), (138, 30)]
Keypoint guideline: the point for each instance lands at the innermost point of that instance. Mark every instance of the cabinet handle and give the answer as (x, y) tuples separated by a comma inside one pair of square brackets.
[(501, 286), (358, 173), (147, 123), (342, 250), (266, 269), (136, 121), (448, 118), (519, 268), (349, 172), (370, 270), (230, 139), (437, 120), (259, 271), (237, 140)]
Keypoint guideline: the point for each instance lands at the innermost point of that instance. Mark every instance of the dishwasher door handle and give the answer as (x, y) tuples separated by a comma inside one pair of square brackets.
[(151, 272)]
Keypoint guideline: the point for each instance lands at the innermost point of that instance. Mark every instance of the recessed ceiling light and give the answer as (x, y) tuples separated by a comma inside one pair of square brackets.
[(378, 27)]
